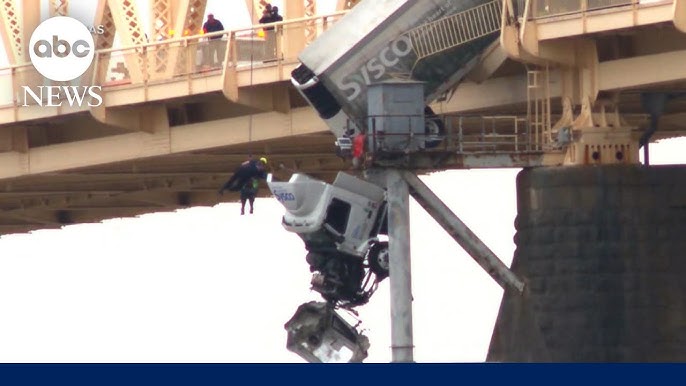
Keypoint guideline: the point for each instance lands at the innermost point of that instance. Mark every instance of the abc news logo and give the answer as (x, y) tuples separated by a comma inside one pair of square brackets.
[(62, 49)]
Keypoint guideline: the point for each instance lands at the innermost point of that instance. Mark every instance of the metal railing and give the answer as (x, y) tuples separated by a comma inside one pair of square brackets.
[(498, 134), (201, 54), (17, 80), (455, 30), (549, 8), (190, 56), (458, 134)]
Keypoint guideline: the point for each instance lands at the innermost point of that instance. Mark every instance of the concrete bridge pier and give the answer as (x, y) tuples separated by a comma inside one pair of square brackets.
[(603, 252)]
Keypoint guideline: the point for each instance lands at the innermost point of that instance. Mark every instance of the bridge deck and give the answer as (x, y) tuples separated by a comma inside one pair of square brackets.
[(172, 127)]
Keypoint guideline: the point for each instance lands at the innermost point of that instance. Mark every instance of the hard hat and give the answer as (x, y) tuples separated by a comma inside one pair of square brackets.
[(263, 160)]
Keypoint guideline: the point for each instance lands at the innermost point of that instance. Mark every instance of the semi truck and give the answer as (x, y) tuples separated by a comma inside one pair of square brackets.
[(436, 42)]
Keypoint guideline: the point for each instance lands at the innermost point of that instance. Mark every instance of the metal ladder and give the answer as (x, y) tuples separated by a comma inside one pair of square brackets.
[(538, 109)]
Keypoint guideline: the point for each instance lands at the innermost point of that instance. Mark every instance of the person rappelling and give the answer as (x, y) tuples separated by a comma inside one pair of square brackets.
[(248, 170)]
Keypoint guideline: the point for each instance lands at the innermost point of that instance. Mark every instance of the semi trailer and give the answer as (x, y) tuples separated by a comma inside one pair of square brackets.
[(436, 42)]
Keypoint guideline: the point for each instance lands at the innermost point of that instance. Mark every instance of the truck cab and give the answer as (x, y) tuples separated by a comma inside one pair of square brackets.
[(341, 225), (346, 213)]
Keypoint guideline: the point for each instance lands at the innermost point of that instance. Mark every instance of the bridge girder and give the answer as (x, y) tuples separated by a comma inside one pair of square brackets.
[(59, 7), (11, 31)]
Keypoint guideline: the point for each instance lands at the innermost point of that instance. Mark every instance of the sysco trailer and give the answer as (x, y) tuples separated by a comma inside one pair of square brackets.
[(436, 42)]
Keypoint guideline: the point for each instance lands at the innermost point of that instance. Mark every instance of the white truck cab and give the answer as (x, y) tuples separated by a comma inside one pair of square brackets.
[(348, 212), (340, 224)]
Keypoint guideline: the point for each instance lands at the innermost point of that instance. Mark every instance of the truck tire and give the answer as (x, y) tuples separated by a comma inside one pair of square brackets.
[(378, 259)]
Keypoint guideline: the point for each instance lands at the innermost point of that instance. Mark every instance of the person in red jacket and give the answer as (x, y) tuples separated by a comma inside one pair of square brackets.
[(358, 149)]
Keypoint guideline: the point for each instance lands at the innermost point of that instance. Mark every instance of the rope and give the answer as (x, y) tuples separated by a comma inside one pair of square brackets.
[(252, 60)]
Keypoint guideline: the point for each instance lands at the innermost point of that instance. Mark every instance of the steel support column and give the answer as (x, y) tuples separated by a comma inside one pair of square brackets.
[(400, 269)]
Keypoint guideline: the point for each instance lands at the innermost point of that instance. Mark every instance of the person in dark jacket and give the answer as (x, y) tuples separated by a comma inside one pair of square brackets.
[(249, 169), (215, 44), (270, 15), (275, 15), (267, 17)]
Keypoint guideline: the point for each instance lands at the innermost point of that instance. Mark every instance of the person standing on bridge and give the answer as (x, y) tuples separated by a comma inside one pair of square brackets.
[(275, 15), (275, 19), (215, 43), (270, 15)]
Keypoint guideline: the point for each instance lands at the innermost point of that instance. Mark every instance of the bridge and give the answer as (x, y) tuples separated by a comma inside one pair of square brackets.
[(174, 122)]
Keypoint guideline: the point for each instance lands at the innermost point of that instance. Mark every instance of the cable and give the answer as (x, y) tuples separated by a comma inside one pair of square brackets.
[(252, 60)]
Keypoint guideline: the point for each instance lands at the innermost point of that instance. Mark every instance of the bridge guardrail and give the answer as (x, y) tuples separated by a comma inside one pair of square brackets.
[(549, 8), (199, 54), (187, 56)]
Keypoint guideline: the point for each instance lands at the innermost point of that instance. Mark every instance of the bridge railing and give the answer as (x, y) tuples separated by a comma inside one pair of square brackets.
[(199, 55), (549, 8), (190, 56), (454, 133)]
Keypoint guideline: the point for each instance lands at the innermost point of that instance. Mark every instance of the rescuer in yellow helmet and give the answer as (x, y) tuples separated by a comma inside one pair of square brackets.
[(248, 173)]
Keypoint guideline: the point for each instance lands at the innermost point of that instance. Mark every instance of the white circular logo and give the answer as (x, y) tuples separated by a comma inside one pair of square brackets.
[(61, 48)]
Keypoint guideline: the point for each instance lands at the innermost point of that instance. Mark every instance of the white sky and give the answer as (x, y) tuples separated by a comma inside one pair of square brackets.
[(208, 285)]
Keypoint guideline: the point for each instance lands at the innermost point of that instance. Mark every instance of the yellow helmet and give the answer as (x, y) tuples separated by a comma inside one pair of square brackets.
[(263, 160)]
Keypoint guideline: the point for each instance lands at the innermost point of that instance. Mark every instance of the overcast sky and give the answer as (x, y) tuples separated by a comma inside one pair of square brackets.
[(208, 285)]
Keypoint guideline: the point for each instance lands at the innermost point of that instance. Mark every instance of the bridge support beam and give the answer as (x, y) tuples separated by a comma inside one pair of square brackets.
[(680, 15), (59, 8), (14, 139), (147, 119), (265, 98), (126, 20)]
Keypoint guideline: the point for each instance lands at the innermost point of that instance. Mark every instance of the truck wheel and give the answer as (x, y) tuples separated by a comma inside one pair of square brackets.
[(434, 128), (378, 258)]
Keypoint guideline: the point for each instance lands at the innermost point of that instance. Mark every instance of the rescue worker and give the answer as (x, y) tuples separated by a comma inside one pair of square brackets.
[(358, 149), (249, 169)]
